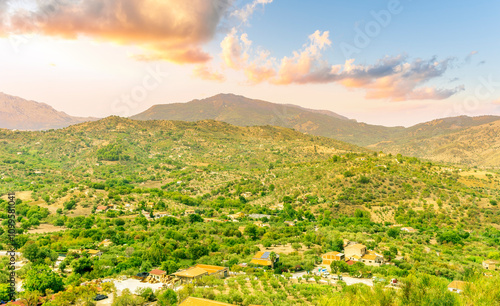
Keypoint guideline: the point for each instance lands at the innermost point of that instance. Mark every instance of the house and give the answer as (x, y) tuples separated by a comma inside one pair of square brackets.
[(189, 212), (93, 253), (200, 270), (160, 215), (76, 251), (372, 259), (457, 286), (157, 274), (358, 250), (491, 264), (237, 216), (261, 224), (105, 243), (192, 301), (409, 229), (258, 216), (262, 259), (101, 208), (290, 223), (328, 258)]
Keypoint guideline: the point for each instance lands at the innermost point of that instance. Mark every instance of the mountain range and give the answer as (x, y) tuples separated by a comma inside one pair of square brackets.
[(465, 140)]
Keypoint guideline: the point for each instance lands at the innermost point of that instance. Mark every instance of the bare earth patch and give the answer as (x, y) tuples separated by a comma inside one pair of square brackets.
[(46, 228)]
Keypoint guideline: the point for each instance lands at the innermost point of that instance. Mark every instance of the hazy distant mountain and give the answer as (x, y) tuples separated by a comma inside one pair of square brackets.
[(21, 114), (242, 111)]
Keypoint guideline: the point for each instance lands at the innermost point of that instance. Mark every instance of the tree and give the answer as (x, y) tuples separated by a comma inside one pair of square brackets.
[(82, 265), (4, 292), (393, 232), (40, 278), (166, 298), (251, 230), (169, 266), (195, 218), (339, 266), (272, 258)]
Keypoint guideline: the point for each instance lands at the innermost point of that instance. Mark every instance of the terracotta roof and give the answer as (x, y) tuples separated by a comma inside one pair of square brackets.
[(191, 272), (191, 301), (102, 207), (350, 262), (157, 272), (460, 285), (93, 252), (356, 257)]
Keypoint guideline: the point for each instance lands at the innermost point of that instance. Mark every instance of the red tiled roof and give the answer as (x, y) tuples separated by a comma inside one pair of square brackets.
[(157, 272), (350, 262)]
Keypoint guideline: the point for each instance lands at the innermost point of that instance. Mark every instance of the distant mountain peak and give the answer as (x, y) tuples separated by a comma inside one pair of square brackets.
[(20, 114)]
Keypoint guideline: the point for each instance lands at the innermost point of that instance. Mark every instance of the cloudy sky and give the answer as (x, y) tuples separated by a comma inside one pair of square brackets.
[(391, 62)]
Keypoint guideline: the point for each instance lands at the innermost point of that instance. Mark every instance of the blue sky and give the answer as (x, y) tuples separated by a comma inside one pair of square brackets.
[(423, 60)]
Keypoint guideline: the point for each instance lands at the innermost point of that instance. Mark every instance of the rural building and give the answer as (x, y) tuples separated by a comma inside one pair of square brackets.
[(258, 216), (457, 286), (189, 212), (409, 230), (101, 208), (192, 301), (93, 253), (358, 250), (328, 258), (157, 274), (290, 223), (105, 243), (262, 259), (237, 216), (372, 259), (491, 264), (199, 270)]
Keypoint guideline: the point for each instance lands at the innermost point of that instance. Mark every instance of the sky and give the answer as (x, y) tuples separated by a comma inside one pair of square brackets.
[(391, 62)]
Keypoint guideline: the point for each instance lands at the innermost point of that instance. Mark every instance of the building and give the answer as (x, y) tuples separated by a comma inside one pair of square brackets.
[(101, 208), (192, 301), (237, 216), (330, 257), (409, 230), (491, 264), (457, 286), (199, 271), (189, 212), (157, 274), (262, 259), (259, 216), (93, 253), (289, 223), (105, 243), (358, 250), (372, 259)]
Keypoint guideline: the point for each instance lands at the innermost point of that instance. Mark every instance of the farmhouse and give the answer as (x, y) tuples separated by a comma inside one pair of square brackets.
[(94, 253), (101, 208), (328, 258), (358, 250), (491, 264), (200, 270), (157, 274), (409, 230)]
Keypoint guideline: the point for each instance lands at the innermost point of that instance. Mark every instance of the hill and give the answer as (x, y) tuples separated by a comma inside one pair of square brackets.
[(426, 140), (242, 111), (21, 114)]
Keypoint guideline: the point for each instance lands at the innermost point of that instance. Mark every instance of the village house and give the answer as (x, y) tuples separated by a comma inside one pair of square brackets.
[(157, 274), (409, 230), (330, 257), (101, 208), (354, 251), (258, 216), (262, 259), (492, 265), (105, 243), (237, 216), (94, 253), (189, 212), (457, 286), (199, 271)]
